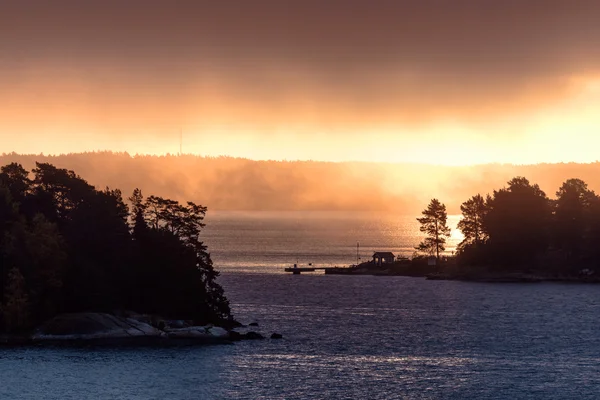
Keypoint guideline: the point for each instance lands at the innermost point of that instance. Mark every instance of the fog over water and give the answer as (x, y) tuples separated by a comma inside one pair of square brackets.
[(233, 184)]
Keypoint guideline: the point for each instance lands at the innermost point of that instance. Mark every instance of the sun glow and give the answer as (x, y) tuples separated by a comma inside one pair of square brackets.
[(560, 130)]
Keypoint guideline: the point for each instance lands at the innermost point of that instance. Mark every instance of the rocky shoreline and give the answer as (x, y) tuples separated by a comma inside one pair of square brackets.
[(102, 329)]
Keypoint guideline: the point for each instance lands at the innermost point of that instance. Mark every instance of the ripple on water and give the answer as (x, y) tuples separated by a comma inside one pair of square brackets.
[(350, 337)]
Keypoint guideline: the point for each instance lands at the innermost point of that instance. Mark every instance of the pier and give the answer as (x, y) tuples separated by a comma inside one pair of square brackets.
[(328, 270), (297, 271)]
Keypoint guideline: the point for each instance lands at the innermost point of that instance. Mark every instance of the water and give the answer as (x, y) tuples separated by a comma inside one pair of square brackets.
[(269, 241), (349, 337)]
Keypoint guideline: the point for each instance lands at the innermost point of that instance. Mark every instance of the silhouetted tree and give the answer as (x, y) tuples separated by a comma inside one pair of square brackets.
[(97, 234), (573, 216), (471, 250), (15, 178), (66, 246), (58, 191), (592, 238), (471, 224), (8, 216), (433, 223), (168, 224), (138, 209), (37, 250), (517, 223)]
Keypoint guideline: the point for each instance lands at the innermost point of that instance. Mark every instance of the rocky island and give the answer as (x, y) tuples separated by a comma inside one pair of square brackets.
[(70, 254)]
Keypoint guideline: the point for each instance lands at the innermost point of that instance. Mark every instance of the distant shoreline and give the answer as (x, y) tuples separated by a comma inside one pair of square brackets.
[(515, 277), (466, 276)]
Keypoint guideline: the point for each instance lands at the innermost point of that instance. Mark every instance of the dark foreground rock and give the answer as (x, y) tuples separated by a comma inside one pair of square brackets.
[(111, 330), (95, 325), (276, 336), (101, 329), (252, 336)]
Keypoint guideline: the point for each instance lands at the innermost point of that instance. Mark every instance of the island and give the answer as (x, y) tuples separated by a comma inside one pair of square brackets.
[(81, 264), (516, 234)]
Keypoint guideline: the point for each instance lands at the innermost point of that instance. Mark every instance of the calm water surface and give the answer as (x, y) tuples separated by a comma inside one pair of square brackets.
[(268, 241), (349, 337)]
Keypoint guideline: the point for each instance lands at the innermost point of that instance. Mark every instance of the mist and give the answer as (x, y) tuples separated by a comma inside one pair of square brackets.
[(226, 183)]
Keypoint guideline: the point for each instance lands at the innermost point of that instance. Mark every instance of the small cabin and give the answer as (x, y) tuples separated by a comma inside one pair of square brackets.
[(383, 257)]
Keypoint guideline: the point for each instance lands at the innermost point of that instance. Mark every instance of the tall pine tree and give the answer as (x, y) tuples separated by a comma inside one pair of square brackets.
[(433, 223)]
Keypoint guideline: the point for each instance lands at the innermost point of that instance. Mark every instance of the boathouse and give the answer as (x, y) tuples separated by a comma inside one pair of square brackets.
[(383, 257)]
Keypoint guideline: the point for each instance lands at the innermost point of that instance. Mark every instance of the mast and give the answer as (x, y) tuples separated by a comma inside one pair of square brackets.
[(357, 258), (180, 141)]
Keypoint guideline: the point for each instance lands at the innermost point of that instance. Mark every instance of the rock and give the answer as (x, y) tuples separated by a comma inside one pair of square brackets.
[(81, 326), (253, 324), (190, 332), (276, 336), (106, 329), (177, 324), (253, 336), (231, 323), (218, 332), (199, 334)]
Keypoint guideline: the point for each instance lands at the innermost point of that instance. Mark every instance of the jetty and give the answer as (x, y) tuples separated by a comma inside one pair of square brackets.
[(328, 270), (297, 271)]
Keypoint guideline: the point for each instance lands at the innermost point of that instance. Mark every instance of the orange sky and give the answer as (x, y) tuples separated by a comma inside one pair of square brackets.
[(461, 82)]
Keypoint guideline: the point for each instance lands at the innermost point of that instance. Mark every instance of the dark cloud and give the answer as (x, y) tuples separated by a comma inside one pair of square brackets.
[(430, 33), (386, 58)]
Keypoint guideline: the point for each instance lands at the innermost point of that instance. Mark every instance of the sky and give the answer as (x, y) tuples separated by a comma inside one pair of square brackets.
[(444, 82)]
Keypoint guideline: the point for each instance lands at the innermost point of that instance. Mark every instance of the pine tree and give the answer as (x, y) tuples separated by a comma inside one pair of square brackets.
[(433, 223), (471, 224)]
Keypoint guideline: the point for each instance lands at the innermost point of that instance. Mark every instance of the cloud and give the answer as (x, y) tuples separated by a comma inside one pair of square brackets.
[(270, 65)]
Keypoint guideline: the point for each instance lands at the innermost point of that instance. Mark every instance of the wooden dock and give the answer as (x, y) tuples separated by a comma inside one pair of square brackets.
[(297, 271), (328, 270)]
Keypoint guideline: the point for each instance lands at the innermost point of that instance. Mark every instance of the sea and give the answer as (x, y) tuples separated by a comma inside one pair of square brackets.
[(267, 242), (344, 337)]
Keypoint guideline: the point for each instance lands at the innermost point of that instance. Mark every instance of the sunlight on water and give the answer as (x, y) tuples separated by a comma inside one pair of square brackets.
[(269, 241)]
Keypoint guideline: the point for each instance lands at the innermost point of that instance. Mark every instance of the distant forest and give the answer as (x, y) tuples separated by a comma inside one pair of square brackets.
[(227, 183)]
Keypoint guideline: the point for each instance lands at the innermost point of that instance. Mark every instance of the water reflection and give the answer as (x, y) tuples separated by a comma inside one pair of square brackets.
[(266, 241)]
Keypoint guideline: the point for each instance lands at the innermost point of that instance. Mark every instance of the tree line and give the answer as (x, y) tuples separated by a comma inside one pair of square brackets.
[(66, 246), (520, 228), (301, 185)]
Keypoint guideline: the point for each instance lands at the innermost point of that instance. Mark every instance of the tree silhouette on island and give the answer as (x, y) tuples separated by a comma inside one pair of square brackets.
[(519, 229), (433, 223), (69, 247)]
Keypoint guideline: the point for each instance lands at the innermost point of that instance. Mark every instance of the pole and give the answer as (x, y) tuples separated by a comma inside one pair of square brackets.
[(357, 253)]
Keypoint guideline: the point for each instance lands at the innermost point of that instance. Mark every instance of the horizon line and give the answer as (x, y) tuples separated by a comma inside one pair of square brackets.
[(283, 160)]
